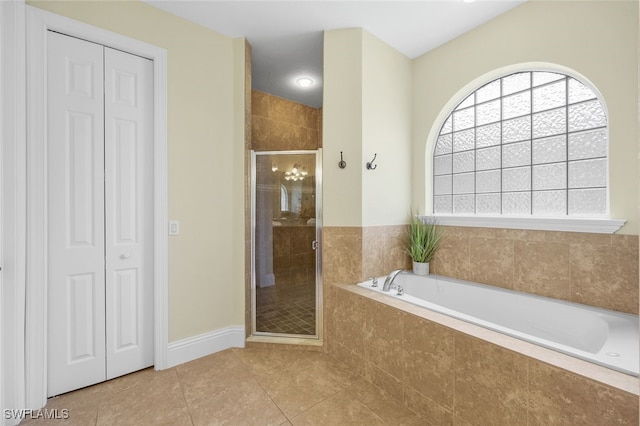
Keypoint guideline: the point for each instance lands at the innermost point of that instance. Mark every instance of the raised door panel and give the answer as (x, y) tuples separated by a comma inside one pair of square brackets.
[(129, 211), (75, 214)]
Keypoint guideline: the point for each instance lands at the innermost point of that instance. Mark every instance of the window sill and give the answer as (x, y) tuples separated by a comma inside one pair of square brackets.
[(591, 225)]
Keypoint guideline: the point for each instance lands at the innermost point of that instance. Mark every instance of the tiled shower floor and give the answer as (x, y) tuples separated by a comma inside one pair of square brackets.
[(244, 387), (286, 309)]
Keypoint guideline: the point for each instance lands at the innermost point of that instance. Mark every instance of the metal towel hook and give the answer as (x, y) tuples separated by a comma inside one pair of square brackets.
[(370, 165), (342, 164)]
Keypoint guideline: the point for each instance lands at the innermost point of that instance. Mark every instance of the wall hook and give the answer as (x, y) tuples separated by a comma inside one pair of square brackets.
[(342, 164), (370, 165)]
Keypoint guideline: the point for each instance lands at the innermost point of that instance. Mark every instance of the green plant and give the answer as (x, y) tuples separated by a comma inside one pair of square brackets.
[(423, 239)]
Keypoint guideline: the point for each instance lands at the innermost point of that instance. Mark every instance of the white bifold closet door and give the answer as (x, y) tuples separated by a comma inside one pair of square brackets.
[(100, 213)]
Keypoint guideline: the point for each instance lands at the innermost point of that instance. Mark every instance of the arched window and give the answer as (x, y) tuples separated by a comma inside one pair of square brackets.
[(529, 143)]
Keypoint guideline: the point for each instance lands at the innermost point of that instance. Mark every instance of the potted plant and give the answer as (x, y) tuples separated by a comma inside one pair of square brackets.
[(422, 243)]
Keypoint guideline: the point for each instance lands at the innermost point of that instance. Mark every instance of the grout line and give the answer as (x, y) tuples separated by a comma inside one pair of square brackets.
[(183, 395)]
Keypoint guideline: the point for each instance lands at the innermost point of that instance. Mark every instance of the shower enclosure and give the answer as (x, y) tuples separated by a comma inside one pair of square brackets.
[(285, 234)]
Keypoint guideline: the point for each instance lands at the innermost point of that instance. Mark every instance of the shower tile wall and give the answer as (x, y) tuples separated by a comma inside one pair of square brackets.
[(280, 125)]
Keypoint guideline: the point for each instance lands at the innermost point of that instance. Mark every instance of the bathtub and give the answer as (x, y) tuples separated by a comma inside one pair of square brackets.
[(601, 336)]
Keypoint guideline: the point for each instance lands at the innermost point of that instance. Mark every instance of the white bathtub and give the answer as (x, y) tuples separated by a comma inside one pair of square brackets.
[(601, 336)]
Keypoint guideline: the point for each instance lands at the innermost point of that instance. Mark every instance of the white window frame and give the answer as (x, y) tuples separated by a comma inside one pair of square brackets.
[(600, 224)]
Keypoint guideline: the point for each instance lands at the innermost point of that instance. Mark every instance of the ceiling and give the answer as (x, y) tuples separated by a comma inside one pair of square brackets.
[(286, 36)]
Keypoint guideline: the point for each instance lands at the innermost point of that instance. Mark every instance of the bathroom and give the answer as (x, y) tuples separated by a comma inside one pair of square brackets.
[(365, 211)]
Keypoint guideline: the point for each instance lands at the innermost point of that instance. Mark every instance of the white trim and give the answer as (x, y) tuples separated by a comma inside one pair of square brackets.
[(38, 23), (195, 347), (599, 226), (12, 206)]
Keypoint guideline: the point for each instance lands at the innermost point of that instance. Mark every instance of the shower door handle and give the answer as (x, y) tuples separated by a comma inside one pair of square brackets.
[(314, 245)]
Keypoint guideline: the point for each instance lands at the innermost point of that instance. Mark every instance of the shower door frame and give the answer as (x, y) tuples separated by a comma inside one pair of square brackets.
[(262, 336)]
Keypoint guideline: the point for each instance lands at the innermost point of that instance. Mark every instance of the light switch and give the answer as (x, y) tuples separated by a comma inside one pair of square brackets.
[(174, 227)]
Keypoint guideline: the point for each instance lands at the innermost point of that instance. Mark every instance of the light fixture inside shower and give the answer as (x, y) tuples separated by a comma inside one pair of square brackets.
[(297, 173)]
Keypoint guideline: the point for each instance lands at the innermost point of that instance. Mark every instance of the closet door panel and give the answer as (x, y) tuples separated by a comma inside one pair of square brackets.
[(75, 214), (129, 211)]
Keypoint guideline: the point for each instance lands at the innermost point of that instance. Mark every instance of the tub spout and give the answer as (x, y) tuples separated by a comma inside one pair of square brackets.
[(392, 276)]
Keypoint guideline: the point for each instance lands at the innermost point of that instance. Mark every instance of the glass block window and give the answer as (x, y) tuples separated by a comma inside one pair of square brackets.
[(530, 143)]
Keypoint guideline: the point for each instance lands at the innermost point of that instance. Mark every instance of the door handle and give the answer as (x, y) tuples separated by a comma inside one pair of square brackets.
[(314, 245)]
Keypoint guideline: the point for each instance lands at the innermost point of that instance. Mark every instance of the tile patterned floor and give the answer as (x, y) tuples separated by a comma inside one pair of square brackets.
[(286, 309), (244, 387)]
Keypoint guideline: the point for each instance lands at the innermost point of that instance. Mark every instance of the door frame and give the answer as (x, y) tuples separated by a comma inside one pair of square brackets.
[(12, 206), (255, 336), (38, 23)]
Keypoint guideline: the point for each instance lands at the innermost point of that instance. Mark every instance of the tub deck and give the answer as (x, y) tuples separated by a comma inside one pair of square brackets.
[(608, 376)]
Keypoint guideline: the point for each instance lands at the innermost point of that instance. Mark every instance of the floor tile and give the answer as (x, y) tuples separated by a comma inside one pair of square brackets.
[(251, 386), (340, 409)]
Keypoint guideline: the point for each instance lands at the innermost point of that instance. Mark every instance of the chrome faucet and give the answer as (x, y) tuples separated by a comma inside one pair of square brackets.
[(392, 276)]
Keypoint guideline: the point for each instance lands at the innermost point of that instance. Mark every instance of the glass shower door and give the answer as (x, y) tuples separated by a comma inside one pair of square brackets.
[(285, 290)]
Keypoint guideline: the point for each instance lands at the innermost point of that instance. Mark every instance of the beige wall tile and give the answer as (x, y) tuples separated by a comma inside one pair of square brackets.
[(507, 234), (385, 381), (260, 104), (491, 261), (432, 412), (383, 250), (279, 124), (580, 238), (490, 383), (628, 241), (565, 265), (383, 337), (542, 268), (452, 257), (342, 255), (605, 276), (349, 321), (558, 397), (428, 356), (354, 361)]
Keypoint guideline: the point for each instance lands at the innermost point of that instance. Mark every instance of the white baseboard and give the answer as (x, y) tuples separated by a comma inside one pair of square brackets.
[(195, 347)]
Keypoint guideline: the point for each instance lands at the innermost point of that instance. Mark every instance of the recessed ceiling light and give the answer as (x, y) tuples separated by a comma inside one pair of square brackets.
[(304, 82)]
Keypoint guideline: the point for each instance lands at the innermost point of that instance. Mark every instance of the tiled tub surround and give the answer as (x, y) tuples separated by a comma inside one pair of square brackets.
[(604, 337), (453, 372), (592, 269)]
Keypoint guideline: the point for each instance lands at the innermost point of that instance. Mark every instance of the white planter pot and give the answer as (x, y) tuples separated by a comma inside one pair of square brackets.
[(420, 268)]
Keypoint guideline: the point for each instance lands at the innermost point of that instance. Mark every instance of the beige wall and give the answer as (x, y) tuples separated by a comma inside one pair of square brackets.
[(342, 128), (386, 131), (595, 39), (367, 111), (205, 149)]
